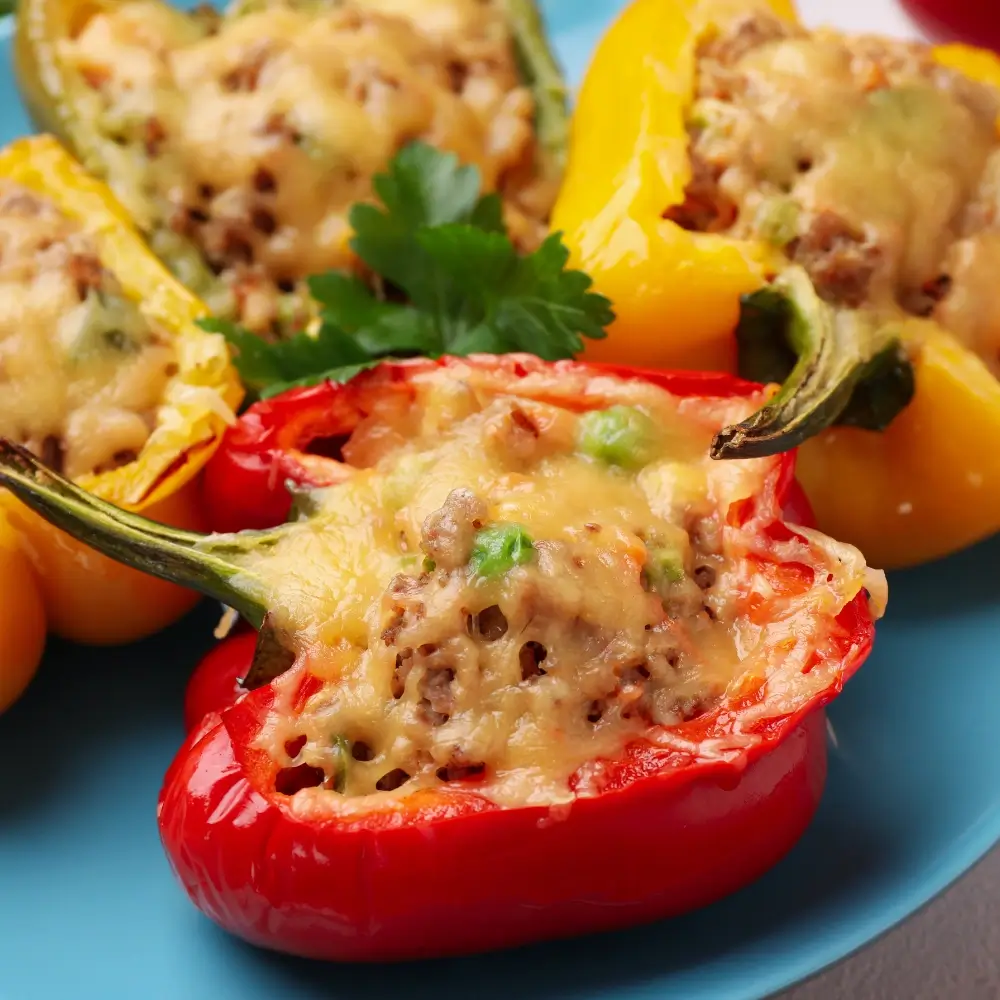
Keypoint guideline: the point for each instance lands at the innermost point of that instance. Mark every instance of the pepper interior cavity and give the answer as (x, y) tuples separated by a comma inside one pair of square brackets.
[(519, 578)]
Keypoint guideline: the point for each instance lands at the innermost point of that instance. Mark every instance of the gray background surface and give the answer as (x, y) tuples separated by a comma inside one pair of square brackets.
[(950, 950)]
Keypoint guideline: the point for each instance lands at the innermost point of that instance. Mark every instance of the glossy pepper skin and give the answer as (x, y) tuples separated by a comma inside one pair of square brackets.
[(215, 683), (83, 595), (927, 486), (455, 873)]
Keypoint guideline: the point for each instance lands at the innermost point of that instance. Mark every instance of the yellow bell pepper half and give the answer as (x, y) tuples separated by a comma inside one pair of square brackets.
[(927, 486), (59, 100), (48, 580)]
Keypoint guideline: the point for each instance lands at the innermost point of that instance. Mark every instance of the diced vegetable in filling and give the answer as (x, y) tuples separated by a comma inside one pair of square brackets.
[(507, 591), (862, 159), (82, 372), (246, 137)]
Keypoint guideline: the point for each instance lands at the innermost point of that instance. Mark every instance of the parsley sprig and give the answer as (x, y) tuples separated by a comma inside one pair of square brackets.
[(442, 246)]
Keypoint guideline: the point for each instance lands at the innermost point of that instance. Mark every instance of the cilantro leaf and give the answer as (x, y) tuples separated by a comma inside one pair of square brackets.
[(448, 280), (346, 301), (378, 327), (427, 187), (341, 373), (488, 215), (267, 369)]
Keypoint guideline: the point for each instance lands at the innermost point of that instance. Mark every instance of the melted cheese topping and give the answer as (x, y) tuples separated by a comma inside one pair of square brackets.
[(636, 607), (251, 136), (82, 372), (862, 159)]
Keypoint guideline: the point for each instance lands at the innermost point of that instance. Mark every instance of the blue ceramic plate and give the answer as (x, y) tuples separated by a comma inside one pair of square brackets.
[(89, 909)]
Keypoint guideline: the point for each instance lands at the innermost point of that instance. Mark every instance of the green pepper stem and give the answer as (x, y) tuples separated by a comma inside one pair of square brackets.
[(846, 366), (541, 72), (183, 557)]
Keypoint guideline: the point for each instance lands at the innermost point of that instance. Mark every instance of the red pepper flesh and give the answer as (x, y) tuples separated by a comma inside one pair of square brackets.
[(215, 683), (467, 877)]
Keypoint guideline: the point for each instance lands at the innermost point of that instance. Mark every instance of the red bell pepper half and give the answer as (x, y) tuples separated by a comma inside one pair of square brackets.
[(686, 814), (676, 826)]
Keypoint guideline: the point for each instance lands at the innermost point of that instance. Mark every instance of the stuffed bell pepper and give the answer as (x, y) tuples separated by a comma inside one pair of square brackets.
[(718, 145), (239, 141), (105, 375), (526, 624)]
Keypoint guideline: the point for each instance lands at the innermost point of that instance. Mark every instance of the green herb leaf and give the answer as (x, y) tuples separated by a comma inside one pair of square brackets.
[(454, 284), (346, 301), (340, 374), (267, 369), (427, 187), (836, 366)]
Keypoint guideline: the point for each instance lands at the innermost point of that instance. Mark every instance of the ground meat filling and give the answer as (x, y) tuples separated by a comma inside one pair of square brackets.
[(501, 598), (631, 680), (862, 159), (82, 373), (448, 533), (245, 138), (620, 679)]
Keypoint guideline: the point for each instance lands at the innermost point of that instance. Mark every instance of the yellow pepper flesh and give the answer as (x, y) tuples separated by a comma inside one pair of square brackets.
[(85, 596), (928, 486), (930, 483), (675, 293)]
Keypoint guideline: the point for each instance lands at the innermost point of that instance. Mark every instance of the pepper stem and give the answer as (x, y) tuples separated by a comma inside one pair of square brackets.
[(835, 366), (183, 557), (541, 72)]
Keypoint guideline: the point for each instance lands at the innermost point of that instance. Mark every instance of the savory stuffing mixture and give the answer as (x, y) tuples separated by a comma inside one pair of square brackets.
[(508, 590), (245, 138), (82, 372), (864, 160)]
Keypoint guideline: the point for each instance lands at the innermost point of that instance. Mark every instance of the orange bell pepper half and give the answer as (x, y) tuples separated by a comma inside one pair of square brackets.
[(48, 580)]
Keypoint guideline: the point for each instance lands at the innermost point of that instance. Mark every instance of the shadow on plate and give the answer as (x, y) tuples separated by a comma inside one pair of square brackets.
[(84, 696), (943, 589)]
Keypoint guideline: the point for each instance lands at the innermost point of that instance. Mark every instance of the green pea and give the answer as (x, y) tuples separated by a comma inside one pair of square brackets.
[(664, 566), (620, 435), (498, 548), (777, 221)]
